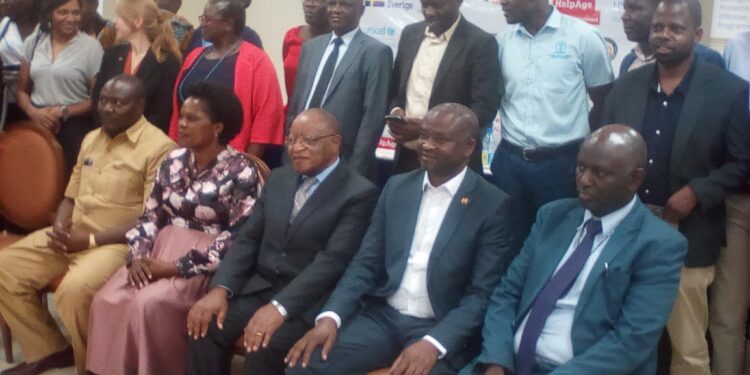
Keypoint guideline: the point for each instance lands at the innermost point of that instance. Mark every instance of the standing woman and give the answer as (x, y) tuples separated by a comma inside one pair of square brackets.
[(20, 23), (151, 53), (57, 73), (240, 66), (316, 19)]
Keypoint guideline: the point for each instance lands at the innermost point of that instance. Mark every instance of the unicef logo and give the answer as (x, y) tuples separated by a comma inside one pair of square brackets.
[(561, 50)]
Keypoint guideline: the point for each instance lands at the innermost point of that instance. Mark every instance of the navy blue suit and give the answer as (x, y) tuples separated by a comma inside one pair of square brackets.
[(468, 258)]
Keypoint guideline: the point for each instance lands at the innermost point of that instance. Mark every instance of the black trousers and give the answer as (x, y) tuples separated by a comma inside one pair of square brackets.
[(373, 340), (213, 353)]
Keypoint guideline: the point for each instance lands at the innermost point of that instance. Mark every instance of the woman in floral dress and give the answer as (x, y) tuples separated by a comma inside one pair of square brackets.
[(202, 190)]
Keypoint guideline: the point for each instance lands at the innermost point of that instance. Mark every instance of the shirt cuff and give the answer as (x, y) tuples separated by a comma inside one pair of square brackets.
[(329, 314), (436, 344), (280, 308), (230, 293)]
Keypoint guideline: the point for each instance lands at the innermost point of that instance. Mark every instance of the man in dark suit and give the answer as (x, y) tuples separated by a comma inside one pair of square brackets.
[(594, 283), (695, 121), (347, 73), (418, 287), (287, 256), (443, 59)]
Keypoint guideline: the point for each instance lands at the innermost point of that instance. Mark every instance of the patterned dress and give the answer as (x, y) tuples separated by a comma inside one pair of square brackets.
[(186, 221)]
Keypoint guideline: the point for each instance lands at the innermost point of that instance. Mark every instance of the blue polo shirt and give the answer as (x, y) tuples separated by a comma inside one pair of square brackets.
[(545, 77)]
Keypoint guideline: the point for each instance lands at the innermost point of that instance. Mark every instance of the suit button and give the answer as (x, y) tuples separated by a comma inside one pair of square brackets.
[(277, 271)]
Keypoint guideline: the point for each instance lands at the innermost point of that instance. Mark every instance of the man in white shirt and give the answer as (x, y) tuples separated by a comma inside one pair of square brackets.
[(436, 247), (593, 286)]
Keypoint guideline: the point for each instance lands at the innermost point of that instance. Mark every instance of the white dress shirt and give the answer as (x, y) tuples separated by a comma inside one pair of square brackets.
[(411, 297), (346, 41), (555, 345)]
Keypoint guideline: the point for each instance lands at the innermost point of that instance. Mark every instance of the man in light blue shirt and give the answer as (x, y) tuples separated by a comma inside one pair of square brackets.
[(730, 292), (551, 64)]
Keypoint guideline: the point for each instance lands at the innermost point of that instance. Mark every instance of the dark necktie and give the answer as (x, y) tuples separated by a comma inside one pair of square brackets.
[(325, 75), (557, 286)]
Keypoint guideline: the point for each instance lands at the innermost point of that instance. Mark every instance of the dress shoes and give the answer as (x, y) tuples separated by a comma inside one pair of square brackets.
[(63, 358)]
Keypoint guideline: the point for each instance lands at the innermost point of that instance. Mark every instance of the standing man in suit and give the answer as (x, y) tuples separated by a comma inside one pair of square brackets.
[(347, 73), (551, 65), (694, 118), (417, 289), (594, 283), (443, 59), (636, 20), (287, 257)]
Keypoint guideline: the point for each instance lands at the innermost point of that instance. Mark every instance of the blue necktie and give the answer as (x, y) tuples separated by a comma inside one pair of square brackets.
[(557, 286), (326, 75)]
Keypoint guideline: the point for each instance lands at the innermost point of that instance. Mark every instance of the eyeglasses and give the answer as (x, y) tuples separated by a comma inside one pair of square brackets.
[(204, 19), (305, 141)]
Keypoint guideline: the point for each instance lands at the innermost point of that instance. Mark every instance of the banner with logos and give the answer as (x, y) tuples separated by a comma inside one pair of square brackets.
[(730, 17), (384, 20)]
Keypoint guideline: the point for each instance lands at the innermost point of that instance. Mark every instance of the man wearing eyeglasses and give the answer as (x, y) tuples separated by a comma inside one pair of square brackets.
[(286, 258)]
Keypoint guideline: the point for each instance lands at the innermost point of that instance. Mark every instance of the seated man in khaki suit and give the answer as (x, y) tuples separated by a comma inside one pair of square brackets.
[(113, 175)]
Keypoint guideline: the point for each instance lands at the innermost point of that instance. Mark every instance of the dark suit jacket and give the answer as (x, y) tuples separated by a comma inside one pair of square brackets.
[(158, 79), (357, 97), (468, 257), (622, 309), (711, 149), (468, 74), (300, 262)]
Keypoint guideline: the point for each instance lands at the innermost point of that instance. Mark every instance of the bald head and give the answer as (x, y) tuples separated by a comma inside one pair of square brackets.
[(462, 117), (610, 168), (620, 142)]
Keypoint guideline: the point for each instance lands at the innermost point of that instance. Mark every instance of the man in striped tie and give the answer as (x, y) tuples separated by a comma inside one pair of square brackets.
[(287, 256), (593, 286)]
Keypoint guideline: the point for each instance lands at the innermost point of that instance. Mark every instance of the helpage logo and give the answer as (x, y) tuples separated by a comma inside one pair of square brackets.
[(583, 9)]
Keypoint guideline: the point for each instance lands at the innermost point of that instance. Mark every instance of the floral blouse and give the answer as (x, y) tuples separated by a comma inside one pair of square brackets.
[(210, 201)]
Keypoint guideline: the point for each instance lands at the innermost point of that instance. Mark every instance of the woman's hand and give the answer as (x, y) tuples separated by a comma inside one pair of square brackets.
[(46, 117), (147, 270)]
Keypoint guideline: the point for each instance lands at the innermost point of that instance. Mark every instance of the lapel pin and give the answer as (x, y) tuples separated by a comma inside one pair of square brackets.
[(465, 201)]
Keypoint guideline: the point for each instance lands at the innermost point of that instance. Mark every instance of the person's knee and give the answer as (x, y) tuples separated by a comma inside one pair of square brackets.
[(74, 291)]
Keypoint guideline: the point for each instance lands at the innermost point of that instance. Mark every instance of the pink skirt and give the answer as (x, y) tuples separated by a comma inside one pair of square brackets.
[(144, 331)]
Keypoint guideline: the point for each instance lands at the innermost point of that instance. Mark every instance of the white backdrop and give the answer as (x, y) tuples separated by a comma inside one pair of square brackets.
[(384, 20)]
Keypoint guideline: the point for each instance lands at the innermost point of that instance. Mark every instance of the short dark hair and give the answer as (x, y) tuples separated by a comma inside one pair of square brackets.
[(463, 117), (694, 9), (135, 83), (48, 6), (233, 10), (221, 105)]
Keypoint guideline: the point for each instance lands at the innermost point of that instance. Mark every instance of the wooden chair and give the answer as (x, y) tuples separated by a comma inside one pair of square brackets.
[(261, 167), (32, 183)]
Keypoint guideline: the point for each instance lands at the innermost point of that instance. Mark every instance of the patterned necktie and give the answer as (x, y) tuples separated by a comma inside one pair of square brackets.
[(557, 286), (326, 75), (301, 196)]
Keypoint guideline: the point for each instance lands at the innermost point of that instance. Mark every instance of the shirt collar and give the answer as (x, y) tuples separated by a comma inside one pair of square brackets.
[(322, 175), (346, 38), (611, 220), (451, 185), (642, 56), (684, 85), (554, 20), (133, 133), (444, 37)]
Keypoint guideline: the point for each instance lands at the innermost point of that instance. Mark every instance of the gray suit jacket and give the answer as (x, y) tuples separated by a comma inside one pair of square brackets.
[(710, 152), (357, 97)]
